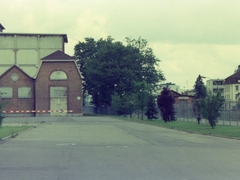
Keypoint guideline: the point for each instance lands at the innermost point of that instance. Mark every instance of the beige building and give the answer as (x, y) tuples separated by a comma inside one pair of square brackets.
[(26, 50), (215, 85), (232, 91)]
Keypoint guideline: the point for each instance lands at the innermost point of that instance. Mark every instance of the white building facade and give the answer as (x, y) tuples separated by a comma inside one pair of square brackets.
[(215, 85), (232, 91)]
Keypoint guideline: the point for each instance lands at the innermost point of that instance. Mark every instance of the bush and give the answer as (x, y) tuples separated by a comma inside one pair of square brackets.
[(211, 107), (165, 103), (1, 114), (151, 112)]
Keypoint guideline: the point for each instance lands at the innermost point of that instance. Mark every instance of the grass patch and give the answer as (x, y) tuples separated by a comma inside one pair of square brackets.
[(6, 131), (192, 127)]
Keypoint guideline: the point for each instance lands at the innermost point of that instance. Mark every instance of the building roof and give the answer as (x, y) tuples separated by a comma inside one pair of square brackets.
[(18, 68), (58, 55), (233, 79), (176, 94), (65, 39)]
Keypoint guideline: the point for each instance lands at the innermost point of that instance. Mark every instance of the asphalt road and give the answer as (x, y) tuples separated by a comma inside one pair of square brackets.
[(97, 148)]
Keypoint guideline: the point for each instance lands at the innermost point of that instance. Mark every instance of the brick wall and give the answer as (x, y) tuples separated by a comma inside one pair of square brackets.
[(16, 103), (73, 84)]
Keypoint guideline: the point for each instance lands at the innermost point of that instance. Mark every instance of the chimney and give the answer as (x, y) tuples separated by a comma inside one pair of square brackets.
[(1, 28), (238, 68)]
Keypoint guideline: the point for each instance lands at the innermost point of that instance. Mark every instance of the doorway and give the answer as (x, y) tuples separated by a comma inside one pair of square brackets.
[(58, 101)]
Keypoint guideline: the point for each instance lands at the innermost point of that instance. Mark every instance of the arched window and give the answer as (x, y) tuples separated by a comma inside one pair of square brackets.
[(58, 75)]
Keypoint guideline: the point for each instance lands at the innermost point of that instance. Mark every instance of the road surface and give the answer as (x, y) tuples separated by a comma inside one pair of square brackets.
[(100, 148)]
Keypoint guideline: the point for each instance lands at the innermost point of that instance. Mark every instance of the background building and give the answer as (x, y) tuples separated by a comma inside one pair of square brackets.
[(215, 85), (37, 78), (232, 90)]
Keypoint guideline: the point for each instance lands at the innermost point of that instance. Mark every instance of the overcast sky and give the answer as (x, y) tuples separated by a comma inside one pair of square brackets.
[(190, 37)]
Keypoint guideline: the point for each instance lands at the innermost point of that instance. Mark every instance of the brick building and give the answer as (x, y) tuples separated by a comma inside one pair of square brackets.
[(58, 84), (36, 77), (56, 90), (182, 97)]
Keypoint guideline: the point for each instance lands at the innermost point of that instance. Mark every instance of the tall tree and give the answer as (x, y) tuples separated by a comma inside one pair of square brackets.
[(211, 107), (200, 92), (165, 103), (110, 67), (147, 61)]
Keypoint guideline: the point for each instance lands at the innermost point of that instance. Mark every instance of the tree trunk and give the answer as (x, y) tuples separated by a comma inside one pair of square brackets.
[(198, 120), (212, 123)]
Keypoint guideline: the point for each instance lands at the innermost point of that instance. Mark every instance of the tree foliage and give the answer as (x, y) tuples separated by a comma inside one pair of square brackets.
[(135, 100), (165, 103), (123, 105), (200, 92), (151, 111), (141, 93), (211, 107), (199, 88), (1, 114), (111, 67)]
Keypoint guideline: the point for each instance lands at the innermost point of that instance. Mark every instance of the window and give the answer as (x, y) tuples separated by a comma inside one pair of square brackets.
[(215, 90), (236, 88), (6, 92), (221, 90), (58, 91), (58, 75), (217, 82), (24, 92)]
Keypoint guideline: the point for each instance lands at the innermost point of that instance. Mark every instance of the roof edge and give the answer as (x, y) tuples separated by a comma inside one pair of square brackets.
[(35, 34)]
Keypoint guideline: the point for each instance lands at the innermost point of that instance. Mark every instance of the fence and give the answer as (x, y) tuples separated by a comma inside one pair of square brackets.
[(230, 115)]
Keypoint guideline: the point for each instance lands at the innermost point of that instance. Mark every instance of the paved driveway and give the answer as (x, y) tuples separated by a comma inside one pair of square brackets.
[(98, 148)]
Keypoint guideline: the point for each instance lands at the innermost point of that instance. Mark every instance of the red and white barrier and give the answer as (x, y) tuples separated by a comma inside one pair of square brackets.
[(24, 112)]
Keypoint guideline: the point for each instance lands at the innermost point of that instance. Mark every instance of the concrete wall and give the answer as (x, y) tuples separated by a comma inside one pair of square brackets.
[(26, 50)]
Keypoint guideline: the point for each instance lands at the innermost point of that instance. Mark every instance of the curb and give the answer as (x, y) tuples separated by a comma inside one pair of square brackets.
[(2, 140), (190, 132)]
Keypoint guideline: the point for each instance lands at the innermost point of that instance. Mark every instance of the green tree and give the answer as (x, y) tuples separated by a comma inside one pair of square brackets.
[(211, 107), (151, 112), (1, 114), (1, 107), (110, 67), (147, 61), (142, 93), (165, 103), (123, 105), (200, 92)]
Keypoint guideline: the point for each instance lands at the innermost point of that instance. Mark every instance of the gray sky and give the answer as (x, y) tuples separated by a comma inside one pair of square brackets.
[(191, 37)]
